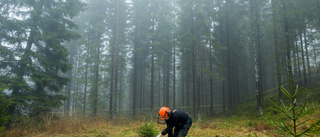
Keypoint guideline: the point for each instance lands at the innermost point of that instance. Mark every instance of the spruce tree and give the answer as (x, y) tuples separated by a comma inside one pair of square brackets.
[(33, 32)]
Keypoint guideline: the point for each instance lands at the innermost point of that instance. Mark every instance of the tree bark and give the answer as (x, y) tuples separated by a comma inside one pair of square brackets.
[(111, 84), (287, 40), (116, 62), (85, 87), (152, 68), (307, 53), (96, 82), (211, 80)]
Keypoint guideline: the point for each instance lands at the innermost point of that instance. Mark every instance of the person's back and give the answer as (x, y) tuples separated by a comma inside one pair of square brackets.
[(178, 119)]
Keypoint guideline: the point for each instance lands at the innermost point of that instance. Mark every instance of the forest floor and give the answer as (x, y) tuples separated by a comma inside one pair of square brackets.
[(222, 127), (245, 124), (234, 126)]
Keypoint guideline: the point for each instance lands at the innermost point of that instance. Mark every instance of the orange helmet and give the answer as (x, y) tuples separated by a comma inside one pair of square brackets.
[(163, 112)]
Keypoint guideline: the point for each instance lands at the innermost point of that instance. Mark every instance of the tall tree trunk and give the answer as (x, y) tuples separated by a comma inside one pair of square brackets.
[(168, 79), (85, 87), (197, 65), (298, 59), (287, 40), (120, 89), (315, 56), (256, 53), (164, 85), (152, 67), (183, 92), (211, 80), (198, 82), (259, 52), (222, 74), (116, 62), (194, 74), (174, 76), (142, 73), (303, 60), (70, 76), (159, 86), (111, 102), (77, 91), (68, 91), (307, 54), (294, 59), (188, 88), (96, 82), (135, 79), (223, 99), (228, 45)]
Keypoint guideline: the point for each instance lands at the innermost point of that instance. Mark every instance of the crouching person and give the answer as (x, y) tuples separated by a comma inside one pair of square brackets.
[(181, 121)]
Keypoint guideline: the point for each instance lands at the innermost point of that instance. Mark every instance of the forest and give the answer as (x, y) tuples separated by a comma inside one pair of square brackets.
[(117, 59)]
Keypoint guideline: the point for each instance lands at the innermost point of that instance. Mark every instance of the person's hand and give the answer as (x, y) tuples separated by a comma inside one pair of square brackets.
[(160, 135)]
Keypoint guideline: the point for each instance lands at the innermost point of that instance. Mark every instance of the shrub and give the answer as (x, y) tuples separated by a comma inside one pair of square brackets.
[(147, 130)]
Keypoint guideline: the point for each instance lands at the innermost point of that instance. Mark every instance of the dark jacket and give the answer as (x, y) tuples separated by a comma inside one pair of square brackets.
[(177, 118)]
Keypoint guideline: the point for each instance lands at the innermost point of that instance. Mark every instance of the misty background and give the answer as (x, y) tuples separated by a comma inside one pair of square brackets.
[(131, 57)]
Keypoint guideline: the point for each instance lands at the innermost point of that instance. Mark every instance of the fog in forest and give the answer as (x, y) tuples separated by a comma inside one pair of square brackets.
[(116, 58)]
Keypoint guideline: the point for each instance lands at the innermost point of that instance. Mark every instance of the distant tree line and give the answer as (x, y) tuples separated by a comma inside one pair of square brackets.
[(114, 57)]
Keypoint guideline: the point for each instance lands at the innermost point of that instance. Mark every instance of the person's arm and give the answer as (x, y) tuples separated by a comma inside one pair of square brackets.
[(169, 127), (170, 133)]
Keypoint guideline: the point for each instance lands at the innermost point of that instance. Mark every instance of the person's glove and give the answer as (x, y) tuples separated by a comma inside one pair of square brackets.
[(160, 135)]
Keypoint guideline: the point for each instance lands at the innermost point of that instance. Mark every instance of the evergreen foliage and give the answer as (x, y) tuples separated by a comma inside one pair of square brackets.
[(291, 117), (147, 130), (4, 105), (34, 59)]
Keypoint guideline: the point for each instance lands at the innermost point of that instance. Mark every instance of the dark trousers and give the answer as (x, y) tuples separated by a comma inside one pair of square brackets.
[(182, 131)]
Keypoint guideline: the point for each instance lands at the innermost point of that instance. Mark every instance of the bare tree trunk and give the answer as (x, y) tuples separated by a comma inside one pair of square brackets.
[(111, 85), (307, 54), (256, 53), (168, 79), (223, 100), (134, 96), (116, 63), (135, 79), (68, 92), (197, 94), (259, 56), (198, 81), (183, 92), (315, 56), (294, 59), (120, 89), (152, 69), (298, 59), (211, 80), (96, 82), (303, 60), (159, 89), (187, 81), (174, 75), (276, 47), (287, 40), (85, 87), (194, 74), (164, 86), (229, 72)]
